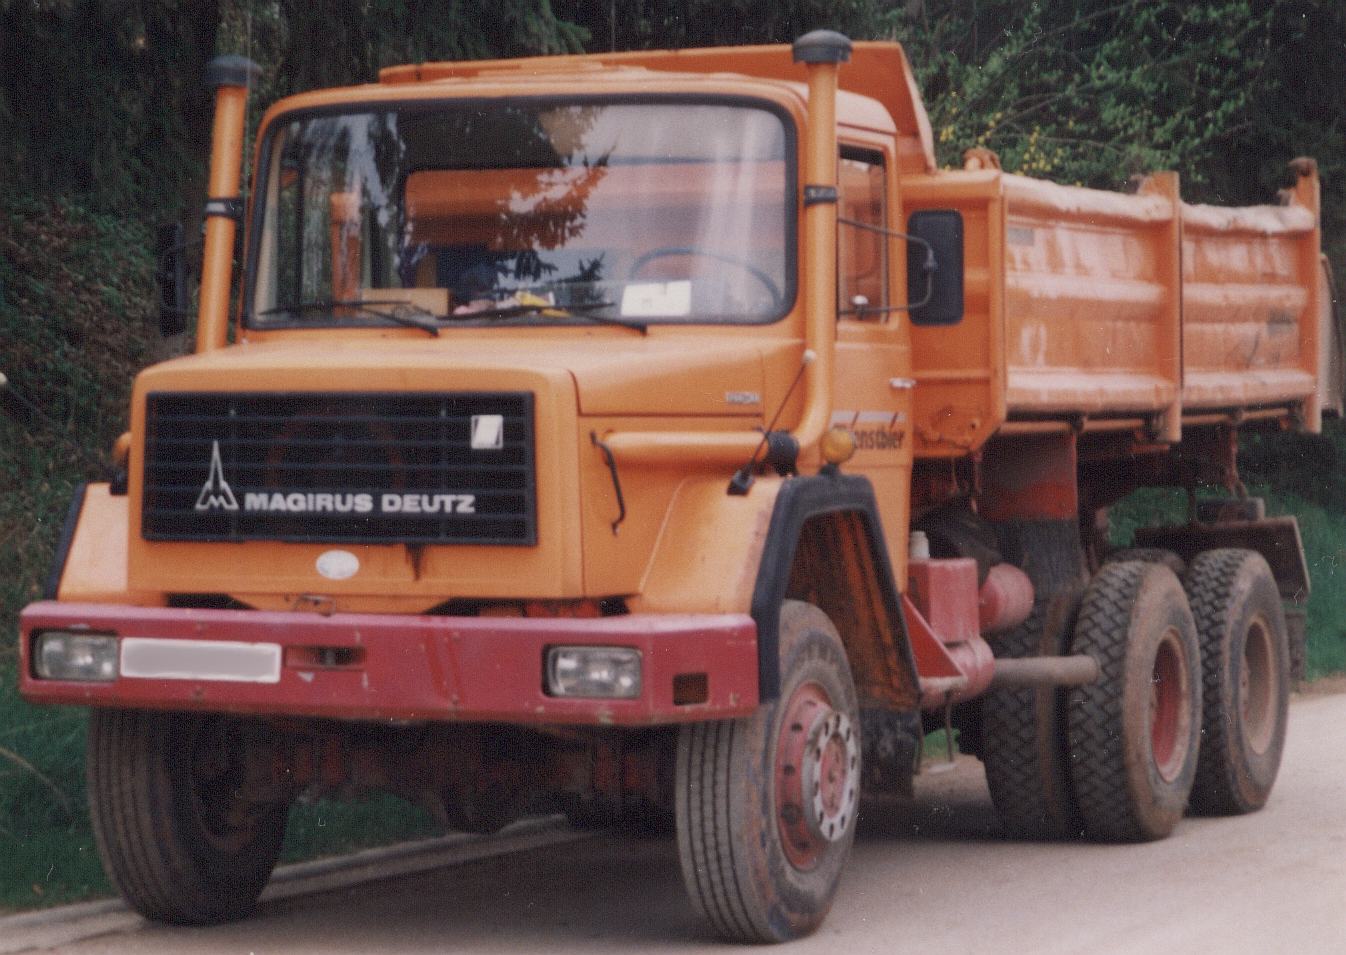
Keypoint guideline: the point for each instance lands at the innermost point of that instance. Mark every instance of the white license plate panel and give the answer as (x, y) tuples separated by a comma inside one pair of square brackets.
[(154, 658)]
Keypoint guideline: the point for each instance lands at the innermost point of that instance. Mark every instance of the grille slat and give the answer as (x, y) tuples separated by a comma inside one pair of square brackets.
[(185, 443), (261, 470), (341, 468)]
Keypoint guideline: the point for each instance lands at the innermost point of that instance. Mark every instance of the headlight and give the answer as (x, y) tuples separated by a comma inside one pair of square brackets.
[(608, 672), (88, 657)]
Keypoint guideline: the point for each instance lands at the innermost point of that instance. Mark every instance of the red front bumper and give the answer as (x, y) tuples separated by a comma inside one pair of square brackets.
[(462, 669)]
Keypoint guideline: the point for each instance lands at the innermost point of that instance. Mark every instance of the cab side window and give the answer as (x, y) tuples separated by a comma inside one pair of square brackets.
[(862, 266)]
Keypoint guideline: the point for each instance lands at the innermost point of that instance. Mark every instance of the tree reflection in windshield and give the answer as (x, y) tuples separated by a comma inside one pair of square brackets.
[(474, 204)]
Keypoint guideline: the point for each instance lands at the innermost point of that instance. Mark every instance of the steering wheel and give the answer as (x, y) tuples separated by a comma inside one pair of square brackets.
[(669, 251)]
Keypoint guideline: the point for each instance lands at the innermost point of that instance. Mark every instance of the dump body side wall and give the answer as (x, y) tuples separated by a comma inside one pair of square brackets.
[(1250, 288), (1108, 311), (1091, 310)]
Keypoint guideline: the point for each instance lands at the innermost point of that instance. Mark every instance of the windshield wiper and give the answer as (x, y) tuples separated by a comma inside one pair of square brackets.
[(585, 312), (402, 312)]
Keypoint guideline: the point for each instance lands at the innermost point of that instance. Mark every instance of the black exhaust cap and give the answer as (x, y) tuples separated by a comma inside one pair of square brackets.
[(232, 70), (822, 46)]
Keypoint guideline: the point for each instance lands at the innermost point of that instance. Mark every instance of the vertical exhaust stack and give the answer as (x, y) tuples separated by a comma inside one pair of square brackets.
[(230, 76), (822, 52)]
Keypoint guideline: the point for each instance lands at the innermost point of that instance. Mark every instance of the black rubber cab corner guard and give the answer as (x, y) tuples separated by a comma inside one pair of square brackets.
[(800, 499), (53, 586)]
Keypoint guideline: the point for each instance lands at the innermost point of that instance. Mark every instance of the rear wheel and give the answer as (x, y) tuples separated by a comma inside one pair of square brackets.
[(766, 805), (1134, 734), (1148, 555), (176, 835), (1023, 741), (1245, 680)]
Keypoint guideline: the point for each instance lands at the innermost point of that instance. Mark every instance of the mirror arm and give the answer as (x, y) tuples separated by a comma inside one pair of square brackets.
[(928, 267)]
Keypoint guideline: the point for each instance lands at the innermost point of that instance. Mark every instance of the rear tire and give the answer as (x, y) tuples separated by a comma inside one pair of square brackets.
[(1148, 555), (1245, 680), (1023, 734), (175, 838), (766, 805), (1134, 734)]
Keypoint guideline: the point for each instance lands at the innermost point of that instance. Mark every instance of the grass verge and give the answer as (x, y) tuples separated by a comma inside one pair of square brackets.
[(45, 839), (76, 325)]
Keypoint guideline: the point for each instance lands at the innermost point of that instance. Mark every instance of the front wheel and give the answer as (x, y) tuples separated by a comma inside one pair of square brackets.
[(176, 832), (766, 805)]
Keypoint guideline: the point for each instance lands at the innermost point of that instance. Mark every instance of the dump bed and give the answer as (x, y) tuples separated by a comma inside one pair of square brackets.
[(1101, 310)]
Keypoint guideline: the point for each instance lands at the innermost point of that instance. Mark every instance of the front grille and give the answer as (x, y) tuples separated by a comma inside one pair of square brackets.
[(344, 468)]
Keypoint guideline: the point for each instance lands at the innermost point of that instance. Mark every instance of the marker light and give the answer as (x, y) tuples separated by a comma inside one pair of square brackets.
[(607, 672), (837, 445), (86, 657)]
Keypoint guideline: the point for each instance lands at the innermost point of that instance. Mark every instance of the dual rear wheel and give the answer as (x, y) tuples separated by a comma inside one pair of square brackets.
[(1189, 711)]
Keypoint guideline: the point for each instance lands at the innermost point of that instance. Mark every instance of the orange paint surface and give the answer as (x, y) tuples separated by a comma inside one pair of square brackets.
[(1082, 309)]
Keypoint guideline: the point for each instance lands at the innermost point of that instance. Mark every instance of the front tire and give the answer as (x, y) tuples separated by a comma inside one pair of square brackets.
[(766, 805), (1245, 680), (176, 836), (1134, 734)]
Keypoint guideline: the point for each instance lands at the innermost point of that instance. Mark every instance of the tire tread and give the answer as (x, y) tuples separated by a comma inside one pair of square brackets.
[(1026, 773), (1097, 767), (138, 832), (1120, 794), (728, 848), (1210, 586)]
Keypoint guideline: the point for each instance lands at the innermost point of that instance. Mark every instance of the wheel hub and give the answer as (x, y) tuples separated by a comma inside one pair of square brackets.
[(830, 775), (1257, 687), (1170, 721), (817, 776)]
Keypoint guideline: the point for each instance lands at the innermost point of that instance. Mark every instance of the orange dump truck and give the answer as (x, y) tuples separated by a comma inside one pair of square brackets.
[(662, 438)]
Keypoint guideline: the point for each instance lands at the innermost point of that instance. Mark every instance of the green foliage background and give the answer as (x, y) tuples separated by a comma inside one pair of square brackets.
[(104, 128)]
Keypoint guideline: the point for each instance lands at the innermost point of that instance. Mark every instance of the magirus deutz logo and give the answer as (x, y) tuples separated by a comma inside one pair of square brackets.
[(487, 434), (216, 493)]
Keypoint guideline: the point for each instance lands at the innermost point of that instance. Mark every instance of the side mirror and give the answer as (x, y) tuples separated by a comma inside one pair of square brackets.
[(939, 289), (170, 276)]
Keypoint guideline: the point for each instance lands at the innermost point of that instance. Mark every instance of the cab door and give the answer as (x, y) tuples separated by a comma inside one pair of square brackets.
[(873, 391)]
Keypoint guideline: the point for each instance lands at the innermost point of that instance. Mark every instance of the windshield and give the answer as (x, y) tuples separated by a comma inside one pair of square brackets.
[(523, 211)]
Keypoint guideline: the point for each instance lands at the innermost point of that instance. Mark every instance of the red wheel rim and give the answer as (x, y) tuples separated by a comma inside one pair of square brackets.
[(1170, 717), (816, 776), (1256, 687)]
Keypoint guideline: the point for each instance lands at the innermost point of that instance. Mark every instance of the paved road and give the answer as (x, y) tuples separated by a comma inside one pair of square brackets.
[(935, 877)]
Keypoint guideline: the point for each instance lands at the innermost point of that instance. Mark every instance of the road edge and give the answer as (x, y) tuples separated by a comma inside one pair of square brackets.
[(66, 924)]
